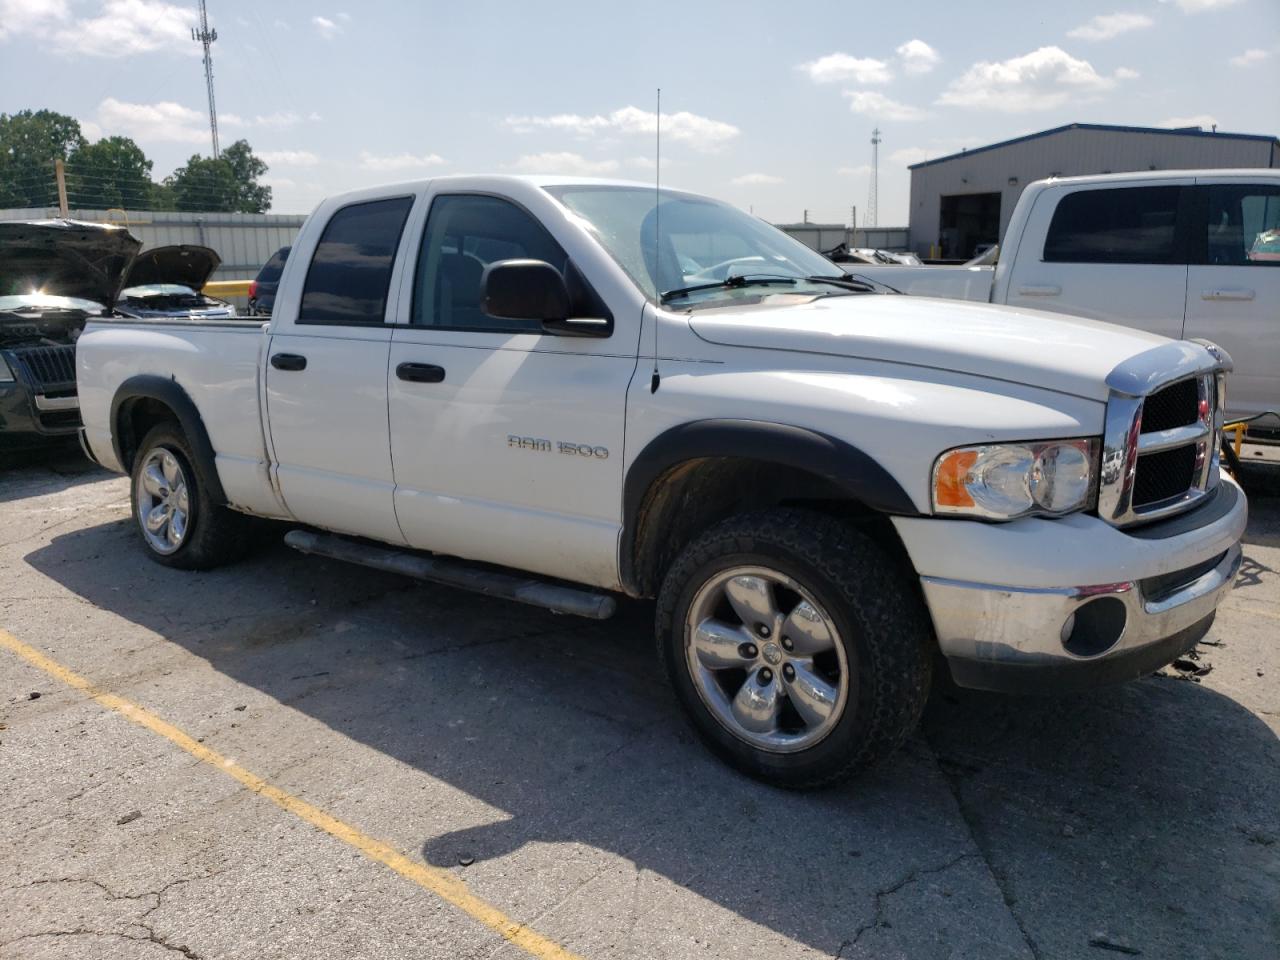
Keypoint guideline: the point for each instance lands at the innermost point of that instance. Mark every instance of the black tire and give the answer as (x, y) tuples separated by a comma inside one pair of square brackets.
[(880, 618), (215, 535)]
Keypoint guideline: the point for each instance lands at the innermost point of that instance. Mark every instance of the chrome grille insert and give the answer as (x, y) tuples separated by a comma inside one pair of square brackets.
[(1160, 453)]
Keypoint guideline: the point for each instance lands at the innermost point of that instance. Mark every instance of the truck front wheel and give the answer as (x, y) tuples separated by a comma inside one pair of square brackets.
[(795, 645), (177, 522)]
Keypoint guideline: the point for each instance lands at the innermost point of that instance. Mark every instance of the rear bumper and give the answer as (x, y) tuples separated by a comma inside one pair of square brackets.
[(1148, 596)]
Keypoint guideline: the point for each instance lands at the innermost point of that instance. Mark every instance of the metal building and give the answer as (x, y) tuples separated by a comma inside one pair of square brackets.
[(964, 200)]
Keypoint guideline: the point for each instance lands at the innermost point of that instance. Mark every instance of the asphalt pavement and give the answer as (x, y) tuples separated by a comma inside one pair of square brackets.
[(295, 758)]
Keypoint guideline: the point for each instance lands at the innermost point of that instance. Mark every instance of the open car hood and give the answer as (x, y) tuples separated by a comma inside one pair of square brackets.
[(65, 258), (186, 263)]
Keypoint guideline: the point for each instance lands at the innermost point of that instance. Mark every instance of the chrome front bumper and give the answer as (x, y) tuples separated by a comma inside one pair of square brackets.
[(1034, 639)]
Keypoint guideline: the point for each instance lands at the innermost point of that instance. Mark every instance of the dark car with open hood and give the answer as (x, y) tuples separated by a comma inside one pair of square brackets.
[(54, 275)]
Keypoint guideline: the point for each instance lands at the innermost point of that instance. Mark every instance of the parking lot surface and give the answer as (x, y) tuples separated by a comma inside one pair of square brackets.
[(293, 758)]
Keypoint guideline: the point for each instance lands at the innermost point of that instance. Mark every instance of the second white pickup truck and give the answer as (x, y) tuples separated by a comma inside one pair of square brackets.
[(556, 390), (1179, 253)]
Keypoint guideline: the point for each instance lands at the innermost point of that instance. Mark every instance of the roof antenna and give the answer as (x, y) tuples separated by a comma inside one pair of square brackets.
[(657, 235)]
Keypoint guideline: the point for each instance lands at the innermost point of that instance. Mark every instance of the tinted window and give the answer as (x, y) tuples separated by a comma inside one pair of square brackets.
[(1244, 225), (351, 270), (464, 234), (272, 269), (1129, 225)]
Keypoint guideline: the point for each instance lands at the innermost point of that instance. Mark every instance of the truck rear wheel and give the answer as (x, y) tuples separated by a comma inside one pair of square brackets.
[(177, 522), (795, 645)]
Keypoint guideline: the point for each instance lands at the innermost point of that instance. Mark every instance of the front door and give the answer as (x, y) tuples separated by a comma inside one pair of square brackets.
[(507, 442), (326, 377), (1233, 292)]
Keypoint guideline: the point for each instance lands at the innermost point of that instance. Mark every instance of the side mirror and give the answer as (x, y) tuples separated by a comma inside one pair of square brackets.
[(534, 290)]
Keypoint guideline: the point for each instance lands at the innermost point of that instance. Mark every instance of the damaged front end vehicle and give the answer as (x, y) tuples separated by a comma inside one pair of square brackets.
[(54, 276)]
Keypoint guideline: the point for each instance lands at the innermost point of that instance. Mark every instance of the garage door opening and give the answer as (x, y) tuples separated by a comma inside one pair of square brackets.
[(967, 221)]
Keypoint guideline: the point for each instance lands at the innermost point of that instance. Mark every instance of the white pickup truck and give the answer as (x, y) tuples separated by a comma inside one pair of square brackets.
[(557, 390), (1179, 253)]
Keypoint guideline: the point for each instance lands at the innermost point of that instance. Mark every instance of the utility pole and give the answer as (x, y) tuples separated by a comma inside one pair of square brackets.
[(873, 201), (60, 175), (206, 37)]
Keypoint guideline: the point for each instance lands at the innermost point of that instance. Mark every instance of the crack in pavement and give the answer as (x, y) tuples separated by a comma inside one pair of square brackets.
[(151, 937), (877, 919)]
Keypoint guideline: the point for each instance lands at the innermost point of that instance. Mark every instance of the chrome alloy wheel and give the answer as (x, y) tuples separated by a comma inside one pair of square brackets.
[(164, 508), (766, 659)]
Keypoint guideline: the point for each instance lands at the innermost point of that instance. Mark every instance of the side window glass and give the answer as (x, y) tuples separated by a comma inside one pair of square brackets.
[(464, 234), (1123, 225), (1244, 225), (350, 273)]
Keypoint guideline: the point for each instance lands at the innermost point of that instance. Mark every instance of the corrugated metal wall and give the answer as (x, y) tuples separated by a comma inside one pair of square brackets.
[(1074, 152), (244, 241)]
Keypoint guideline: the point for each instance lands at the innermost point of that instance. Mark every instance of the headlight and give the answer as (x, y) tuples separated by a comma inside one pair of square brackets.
[(1001, 481)]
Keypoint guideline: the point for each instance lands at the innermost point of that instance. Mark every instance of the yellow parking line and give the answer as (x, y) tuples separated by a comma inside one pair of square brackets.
[(443, 884)]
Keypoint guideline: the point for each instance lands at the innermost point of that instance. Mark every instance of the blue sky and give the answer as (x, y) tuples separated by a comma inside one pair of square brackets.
[(768, 105)]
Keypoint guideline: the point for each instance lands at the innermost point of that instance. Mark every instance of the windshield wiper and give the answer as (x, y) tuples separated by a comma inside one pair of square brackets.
[(731, 283), (857, 284)]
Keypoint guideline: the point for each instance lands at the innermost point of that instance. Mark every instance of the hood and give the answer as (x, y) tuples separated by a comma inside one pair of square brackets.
[(185, 263), (65, 258), (1033, 347)]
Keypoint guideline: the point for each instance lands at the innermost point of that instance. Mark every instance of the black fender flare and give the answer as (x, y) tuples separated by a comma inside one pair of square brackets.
[(171, 394), (849, 469)]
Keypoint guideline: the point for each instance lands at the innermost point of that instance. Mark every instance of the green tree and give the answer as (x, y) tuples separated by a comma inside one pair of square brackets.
[(29, 143), (227, 184), (114, 172)]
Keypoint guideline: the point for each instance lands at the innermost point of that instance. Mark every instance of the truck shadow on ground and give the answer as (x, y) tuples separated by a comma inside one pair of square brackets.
[(45, 469), (1145, 811)]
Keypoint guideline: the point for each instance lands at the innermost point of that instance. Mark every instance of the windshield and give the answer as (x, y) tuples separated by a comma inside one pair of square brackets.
[(703, 242)]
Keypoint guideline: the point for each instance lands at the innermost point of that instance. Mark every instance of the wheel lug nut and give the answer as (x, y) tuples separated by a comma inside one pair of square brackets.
[(766, 676), (789, 672), (763, 630), (787, 644), (747, 651)]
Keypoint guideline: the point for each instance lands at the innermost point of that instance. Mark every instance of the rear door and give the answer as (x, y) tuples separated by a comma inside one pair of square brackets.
[(326, 374), (1233, 290), (1108, 253), (507, 441)]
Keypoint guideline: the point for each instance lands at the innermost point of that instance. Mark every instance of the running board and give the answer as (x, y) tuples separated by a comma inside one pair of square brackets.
[(456, 573)]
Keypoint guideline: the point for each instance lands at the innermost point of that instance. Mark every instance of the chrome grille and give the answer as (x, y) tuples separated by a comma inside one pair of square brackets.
[(1160, 454), (47, 368)]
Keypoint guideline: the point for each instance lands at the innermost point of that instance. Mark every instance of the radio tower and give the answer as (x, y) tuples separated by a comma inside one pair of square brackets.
[(206, 37), (872, 200)]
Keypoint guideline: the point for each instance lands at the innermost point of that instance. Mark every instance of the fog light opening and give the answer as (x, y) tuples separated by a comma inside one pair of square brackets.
[(1095, 627)]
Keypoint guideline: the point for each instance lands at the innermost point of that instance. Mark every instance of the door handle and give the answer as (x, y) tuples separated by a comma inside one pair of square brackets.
[(288, 361), (1045, 290), (420, 372), (1238, 293)]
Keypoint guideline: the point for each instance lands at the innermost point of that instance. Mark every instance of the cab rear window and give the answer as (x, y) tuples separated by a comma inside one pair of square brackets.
[(1125, 225)]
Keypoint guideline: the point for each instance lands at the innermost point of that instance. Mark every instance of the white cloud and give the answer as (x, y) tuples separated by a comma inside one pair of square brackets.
[(917, 57), (399, 161), (290, 158), (874, 104), (30, 16), (701, 133), (1107, 26), (1203, 120), (125, 28), (756, 179), (326, 26), (1200, 6), (278, 119), (165, 121), (563, 162), (859, 171), (277, 181), (1041, 80), (1250, 58), (843, 68)]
